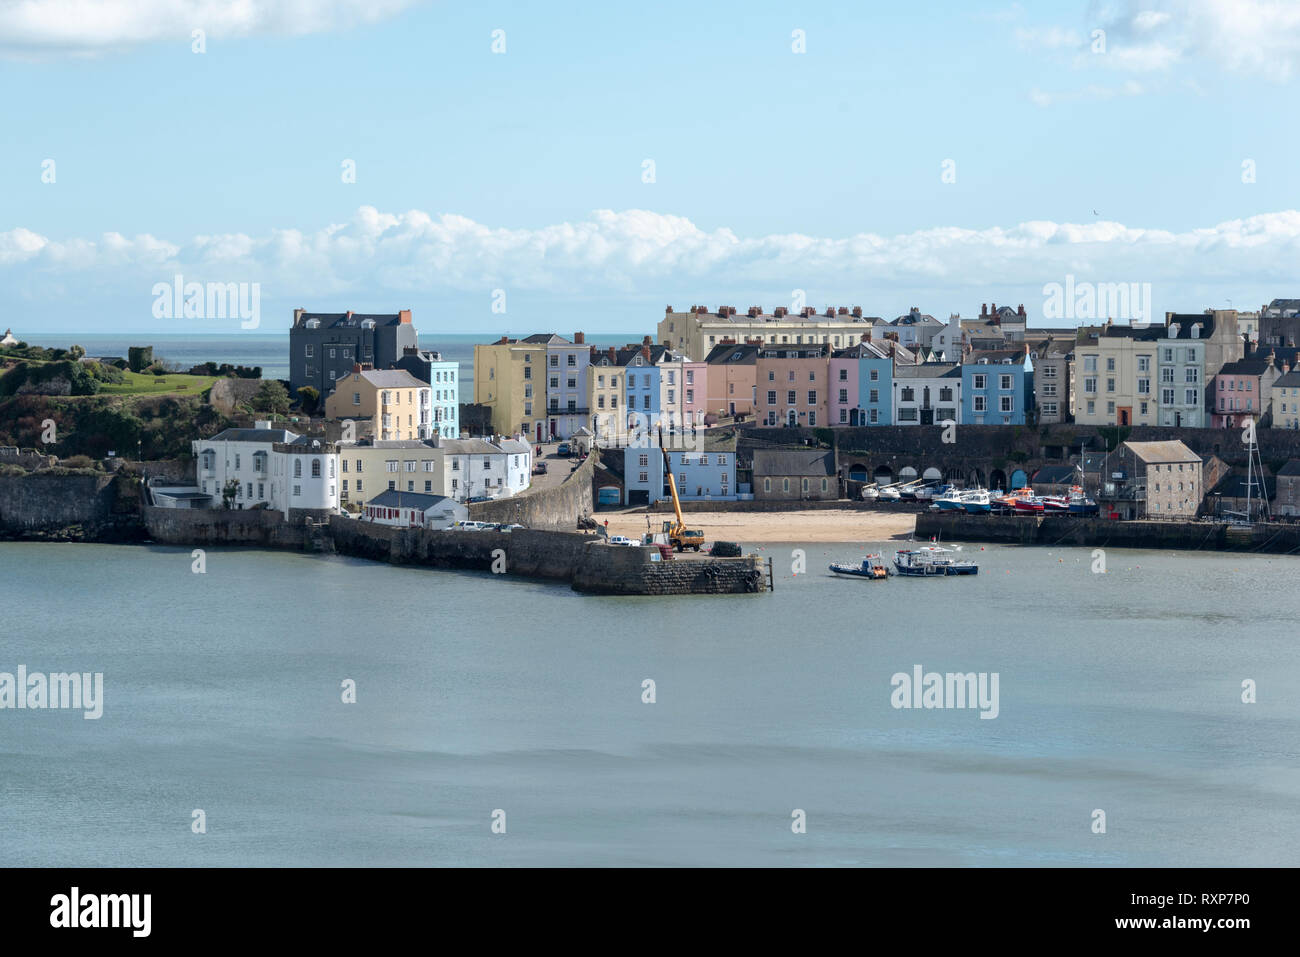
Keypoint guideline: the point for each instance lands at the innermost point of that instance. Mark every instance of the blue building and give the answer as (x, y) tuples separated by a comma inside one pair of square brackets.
[(861, 386), (995, 387), (641, 372), (707, 474)]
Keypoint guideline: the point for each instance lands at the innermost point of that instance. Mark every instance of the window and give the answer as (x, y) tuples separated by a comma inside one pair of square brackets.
[(812, 417), (1144, 386), (844, 395), (1191, 374), (1090, 386), (1191, 400), (358, 485), (1110, 363), (767, 485), (790, 397), (1167, 396), (1110, 385), (812, 397), (909, 394), (1089, 363), (875, 374), (1005, 384), (555, 361), (308, 350), (297, 491), (981, 403), (844, 375), (980, 381), (785, 485), (297, 468), (315, 468), (812, 376), (844, 416), (1008, 403), (873, 396)]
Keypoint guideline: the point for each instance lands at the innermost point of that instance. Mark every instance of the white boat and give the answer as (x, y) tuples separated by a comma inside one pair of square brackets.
[(870, 493), (890, 494), (977, 501), (930, 561), (951, 500)]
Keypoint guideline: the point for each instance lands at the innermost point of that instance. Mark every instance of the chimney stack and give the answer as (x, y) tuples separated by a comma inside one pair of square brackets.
[(645, 352), (579, 339)]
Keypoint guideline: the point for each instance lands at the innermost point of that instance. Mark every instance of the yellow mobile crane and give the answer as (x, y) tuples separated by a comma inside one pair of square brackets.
[(679, 536)]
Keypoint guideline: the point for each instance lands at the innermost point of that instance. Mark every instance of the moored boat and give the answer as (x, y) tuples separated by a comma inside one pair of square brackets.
[(872, 567), (977, 501), (951, 500), (930, 561)]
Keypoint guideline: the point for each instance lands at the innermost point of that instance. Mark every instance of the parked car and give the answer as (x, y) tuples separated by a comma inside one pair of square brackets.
[(479, 498), (565, 450), (507, 526), (539, 468), (469, 526), (624, 540)]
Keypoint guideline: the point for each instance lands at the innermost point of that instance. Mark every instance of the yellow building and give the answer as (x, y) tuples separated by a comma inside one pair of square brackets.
[(605, 391), (367, 469), (388, 405), (696, 332), (510, 379)]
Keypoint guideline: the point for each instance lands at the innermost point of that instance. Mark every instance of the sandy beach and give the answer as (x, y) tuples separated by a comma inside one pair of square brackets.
[(820, 525)]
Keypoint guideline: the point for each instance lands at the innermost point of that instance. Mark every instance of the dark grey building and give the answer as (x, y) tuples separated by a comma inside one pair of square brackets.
[(323, 346)]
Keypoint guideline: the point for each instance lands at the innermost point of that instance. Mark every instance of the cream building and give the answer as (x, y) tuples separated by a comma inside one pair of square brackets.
[(457, 468), (388, 405), (510, 379), (1115, 375), (695, 333)]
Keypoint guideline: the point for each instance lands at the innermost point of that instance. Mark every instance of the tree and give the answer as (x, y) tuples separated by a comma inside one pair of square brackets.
[(309, 396), (76, 352), (271, 397)]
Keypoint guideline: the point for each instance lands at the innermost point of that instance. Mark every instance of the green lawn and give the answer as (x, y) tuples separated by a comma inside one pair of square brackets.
[(139, 384)]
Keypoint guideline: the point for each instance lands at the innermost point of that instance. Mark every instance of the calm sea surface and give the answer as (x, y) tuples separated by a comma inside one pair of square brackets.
[(1119, 692), (271, 352)]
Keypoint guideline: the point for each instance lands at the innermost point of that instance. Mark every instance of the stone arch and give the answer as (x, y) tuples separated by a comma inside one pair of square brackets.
[(932, 474), (1019, 478), (857, 472), (907, 474), (882, 475), (998, 479)]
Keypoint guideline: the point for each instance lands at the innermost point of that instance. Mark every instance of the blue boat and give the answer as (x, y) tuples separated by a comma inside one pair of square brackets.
[(930, 561), (872, 568)]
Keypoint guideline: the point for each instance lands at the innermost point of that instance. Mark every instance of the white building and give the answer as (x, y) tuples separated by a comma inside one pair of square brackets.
[(414, 510), (566, 384), (457, 468), (1180, 359), (927, 393), (672, 387), (269, 468), (519, 464)]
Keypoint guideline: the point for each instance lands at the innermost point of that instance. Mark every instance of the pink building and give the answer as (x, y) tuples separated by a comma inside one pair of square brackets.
[(1242, 391), (793, 383), (843, 394), (695, 391)]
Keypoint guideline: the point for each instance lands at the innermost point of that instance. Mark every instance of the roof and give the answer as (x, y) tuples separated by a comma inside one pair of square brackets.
[(382, 444), (395, 498), (1179, 325), (386, 379), (1289, 381), (254, 435), (1234, 484), (1054, 475), (514, 446), (1254, 366), (467, 446), (547, 338), (330, 320), (928, 370), (1292, 467), (995, 356), (1153, 453), (794, 462)]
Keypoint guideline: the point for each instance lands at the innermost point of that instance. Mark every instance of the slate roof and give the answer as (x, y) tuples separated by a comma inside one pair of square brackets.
[(1292, 467), (1289, 381), (1179, 325), (386, 379), (1254, 367), (331, 319), (814, 462), (1234, 486), (255, 435), (468, 447), (1161, 453), (928, 370), (1055, 475), (394, 498)]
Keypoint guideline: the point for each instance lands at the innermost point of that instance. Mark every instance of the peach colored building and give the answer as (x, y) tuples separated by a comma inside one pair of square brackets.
[(792, 384), (730, 385), (695, 391)]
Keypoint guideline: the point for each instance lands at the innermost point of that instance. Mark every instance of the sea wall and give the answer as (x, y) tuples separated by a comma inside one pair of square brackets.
[(559, 507), (220, 526), (78, 507), (1108, 533), (582, 560)]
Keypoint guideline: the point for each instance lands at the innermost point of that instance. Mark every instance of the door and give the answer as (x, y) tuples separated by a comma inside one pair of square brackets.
[(1125, 413), (539, 432)]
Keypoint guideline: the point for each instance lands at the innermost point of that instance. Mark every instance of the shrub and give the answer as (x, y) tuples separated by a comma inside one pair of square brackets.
[(140, 357), (77, 462), (271, 397)]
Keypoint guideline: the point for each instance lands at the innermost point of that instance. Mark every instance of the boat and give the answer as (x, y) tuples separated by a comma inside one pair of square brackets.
[(929, 561), (1055, 504), (1080, 504), (951, 500), (977, 501), (890, 494), (872, 567), (1023, 500), (870, 493)]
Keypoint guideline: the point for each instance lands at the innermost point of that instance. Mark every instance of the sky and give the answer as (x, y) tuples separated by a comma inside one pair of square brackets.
[(524, 167)]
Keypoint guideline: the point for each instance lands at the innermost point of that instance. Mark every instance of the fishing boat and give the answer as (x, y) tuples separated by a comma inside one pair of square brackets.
[(1023, 500), (870, 493), (929, 561), (872, 567), (977, 501), (1055, 504), (1080, 504), (951, 500)]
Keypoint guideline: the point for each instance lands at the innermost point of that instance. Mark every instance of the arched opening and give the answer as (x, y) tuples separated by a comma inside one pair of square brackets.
[(792, 418), (857, 473), (932, 474), (906, 474), (1019, 479), (998, 480), (883, 476)]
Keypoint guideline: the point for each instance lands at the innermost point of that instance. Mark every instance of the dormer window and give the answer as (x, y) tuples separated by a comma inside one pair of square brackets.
[(312, 324)]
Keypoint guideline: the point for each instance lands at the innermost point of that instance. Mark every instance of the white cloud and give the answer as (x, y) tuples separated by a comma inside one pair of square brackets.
[(1258, 37), (89, 26), (639, 252)]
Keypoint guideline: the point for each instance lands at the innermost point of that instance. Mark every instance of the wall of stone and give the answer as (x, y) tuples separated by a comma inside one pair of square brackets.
[(95, 507), (1106, 533), (219, 526), (557, 508)]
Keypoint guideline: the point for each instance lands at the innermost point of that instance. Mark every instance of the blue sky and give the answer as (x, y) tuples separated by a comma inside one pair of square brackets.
[(773, 170)]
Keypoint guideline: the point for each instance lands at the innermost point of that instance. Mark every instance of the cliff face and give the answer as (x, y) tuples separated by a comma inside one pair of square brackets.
[(92, 507)]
